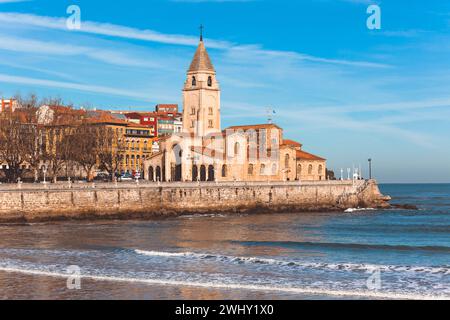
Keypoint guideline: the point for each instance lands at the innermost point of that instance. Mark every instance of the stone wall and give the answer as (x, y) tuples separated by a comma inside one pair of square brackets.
[(109, 201)]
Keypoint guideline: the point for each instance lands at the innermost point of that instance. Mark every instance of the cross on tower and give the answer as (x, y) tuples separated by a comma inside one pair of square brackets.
[(201, 32)]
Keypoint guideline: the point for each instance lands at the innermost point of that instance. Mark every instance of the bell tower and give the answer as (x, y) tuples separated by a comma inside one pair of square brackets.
[(201, 95)]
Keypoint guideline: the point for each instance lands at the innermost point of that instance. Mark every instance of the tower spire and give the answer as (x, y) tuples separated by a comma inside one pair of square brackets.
[(201, 32)]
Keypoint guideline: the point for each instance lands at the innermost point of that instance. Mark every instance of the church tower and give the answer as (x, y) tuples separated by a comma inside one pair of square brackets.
[(201, 96)]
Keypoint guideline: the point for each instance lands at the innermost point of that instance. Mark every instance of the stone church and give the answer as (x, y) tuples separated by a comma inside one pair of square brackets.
[(205, 152)]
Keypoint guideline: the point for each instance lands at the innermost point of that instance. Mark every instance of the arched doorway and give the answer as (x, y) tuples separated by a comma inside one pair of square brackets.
[(151, 174), (194, 173), (177, 171), (158, 174), (202, 173), (211, 173)]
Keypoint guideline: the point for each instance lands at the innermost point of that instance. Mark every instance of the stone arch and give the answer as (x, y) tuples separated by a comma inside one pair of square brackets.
[(151, 174), (158, 174), (224, 171), (177, 168), (195, 173), (211, 173), (203, 173)]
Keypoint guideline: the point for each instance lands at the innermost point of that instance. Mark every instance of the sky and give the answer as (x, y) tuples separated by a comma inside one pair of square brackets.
[(346, 92)]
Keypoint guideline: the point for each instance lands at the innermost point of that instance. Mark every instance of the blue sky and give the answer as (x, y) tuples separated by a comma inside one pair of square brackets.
[(346, 92)]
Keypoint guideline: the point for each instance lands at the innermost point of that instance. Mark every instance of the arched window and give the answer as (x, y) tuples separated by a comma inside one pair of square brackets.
[(299, 169), (224, 171), (320, 169), (286, 161), (263, 169), (310, 169), (237, 146), (209, 81), (274, 169), (194, 81), (250, 169)]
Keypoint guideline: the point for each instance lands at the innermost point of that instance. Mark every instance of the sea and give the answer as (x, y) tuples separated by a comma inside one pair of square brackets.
[(370, 254)]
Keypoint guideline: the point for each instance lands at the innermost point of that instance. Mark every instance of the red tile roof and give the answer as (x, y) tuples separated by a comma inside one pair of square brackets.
[(302, 155), (255, 126), (292, 143)]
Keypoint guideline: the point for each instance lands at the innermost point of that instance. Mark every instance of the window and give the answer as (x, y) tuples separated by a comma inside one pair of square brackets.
[(237, 146), (192, 124), (263, 170), (210, 124), (274, 169), (310, 169), (286, 161), (250, 169), (194, 81), (209, 81), (224, 171), (193, 111), (299, 169), (320, 169), (210, 111)]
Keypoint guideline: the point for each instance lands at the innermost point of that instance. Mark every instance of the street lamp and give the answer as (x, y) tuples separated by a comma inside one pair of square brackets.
[(370, 169), (44, 170)]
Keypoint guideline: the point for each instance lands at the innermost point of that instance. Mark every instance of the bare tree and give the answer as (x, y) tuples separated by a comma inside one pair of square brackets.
[(110, 150), (85, 147), (12, 150)]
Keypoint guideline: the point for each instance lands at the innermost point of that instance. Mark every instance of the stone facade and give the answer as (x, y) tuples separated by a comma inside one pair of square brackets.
[(153, 200)]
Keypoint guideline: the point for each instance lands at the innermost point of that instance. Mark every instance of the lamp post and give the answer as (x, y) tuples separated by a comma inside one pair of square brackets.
[(44, 170), (370, 169)]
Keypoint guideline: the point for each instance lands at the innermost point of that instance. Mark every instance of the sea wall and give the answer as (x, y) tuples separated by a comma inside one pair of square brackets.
[(149, 200)]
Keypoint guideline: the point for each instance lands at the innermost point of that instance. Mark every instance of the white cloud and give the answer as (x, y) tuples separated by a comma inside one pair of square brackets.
[(112, 30), (78, 87), (9, 43), (13, 1)]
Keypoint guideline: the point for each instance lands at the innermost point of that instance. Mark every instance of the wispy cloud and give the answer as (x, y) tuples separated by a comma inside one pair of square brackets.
[(78, 87), (13, 1), (16, 44), (113, 30)]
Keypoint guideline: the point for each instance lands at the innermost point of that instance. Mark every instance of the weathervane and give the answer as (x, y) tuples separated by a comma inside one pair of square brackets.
[(201, 32)]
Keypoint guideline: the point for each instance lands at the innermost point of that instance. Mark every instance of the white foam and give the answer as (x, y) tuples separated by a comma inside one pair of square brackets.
[(351, 210), (236, 286), (330, 266)]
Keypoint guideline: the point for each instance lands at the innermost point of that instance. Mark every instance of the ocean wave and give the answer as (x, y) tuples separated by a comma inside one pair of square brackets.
[(296, 264), (233, 286), (338, 245)]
